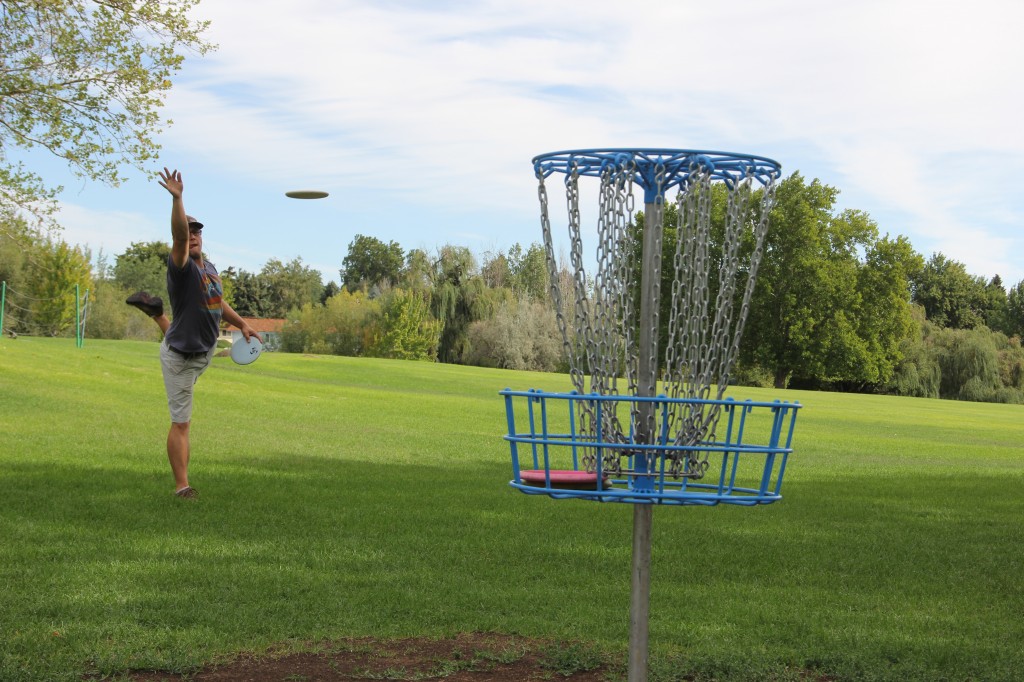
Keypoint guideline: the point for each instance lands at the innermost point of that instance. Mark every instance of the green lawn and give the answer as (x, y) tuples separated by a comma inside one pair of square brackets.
[(349, 497)]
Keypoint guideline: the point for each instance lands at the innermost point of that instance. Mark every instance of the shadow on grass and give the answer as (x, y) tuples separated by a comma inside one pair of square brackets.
[(288, 547)]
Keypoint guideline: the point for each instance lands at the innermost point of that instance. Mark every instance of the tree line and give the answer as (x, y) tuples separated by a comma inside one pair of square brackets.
[(838, 305)]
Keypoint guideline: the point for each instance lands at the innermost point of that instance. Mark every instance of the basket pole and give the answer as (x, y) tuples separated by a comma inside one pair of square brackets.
[(643, 514)]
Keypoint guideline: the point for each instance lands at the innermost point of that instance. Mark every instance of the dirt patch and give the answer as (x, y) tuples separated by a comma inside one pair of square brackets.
[(475, 657)]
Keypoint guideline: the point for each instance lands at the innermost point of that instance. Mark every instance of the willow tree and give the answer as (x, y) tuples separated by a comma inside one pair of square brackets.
[(85, 80)]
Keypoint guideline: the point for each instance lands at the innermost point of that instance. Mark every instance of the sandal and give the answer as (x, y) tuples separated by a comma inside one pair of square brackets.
[(151, 305), (187, 493)]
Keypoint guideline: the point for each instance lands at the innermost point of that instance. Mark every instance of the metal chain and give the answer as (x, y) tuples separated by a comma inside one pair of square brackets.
[(704, 325)]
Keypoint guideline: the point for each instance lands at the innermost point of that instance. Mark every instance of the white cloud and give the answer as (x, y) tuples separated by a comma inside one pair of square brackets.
[(909, 107)]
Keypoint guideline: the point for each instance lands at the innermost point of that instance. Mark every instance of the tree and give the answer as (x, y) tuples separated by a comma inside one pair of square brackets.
[(253, 296), (85, 80), (496, 271), (291, 285), (371, 262), (40, 275), (143, 267), (995, 311), (56, 270), (418, 273), (330, 289), (970, 364), (949, 295), (885, 316), (803, 319), (530, 271), (1015, 310), (404, 329), (458, 299), (16, 242)]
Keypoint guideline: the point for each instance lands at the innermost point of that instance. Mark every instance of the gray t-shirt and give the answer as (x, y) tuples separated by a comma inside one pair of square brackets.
[(195, 306)]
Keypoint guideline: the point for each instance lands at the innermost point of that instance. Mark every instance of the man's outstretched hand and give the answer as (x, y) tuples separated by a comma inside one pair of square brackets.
[(171, 181)]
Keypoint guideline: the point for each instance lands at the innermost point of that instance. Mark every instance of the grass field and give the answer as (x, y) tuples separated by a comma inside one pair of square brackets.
[(354, 497)]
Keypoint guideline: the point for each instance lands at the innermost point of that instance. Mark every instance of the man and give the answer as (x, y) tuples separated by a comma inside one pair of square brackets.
[(190, 337)]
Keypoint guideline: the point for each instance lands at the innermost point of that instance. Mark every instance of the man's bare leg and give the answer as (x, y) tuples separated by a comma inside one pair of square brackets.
[(178, 453)]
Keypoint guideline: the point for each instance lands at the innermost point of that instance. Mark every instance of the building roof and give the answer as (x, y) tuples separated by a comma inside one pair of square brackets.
[(259, 324)]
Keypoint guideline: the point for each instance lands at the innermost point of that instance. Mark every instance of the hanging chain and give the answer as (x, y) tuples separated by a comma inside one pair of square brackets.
[(704, 327)]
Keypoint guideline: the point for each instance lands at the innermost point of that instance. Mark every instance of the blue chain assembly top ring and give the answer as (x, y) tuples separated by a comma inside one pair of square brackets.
[(674, 166)]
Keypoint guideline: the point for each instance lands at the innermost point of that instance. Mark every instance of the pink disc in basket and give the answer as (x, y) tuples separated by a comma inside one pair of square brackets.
[(562, 478)]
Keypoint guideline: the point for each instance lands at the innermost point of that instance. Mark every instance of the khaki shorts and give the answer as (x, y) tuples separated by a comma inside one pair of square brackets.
[(180, 376)]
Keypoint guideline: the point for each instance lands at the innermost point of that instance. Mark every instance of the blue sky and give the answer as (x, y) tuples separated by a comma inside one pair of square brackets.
[(420, 118)]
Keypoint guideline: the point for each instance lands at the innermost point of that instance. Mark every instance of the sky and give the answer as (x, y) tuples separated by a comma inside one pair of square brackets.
[(421, 117)]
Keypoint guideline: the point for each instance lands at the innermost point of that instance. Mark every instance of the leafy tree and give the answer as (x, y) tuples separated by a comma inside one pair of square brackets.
[(496, 271), (330, 289), (228, 276), (529, 271), (56, 270), (41, 274), (885, 317), (291, 285), (1015, 310), (458, 298), (917, 372), (995, 311), (143, 267), (16, 242), (404, 329), (970, 364), (803, 318), (949, 295), (253, 295), (85, 80), (371, 262), (418, 273)]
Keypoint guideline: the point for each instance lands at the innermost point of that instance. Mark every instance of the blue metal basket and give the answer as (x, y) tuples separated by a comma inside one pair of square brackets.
[(745, 453)]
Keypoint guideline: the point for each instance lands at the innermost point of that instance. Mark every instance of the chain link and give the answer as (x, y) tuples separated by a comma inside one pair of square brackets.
[(703, 327)]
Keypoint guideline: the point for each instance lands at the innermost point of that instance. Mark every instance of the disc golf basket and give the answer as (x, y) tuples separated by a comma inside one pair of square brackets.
[(647, 421)]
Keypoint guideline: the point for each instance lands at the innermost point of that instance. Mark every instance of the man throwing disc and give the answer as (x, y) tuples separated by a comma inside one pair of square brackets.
[(190, 340)]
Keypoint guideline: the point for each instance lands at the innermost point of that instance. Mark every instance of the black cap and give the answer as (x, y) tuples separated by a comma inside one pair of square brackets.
[(193, 223)]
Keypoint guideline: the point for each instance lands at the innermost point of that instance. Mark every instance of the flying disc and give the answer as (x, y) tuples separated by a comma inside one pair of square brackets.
[(244, 352), (305, 194)]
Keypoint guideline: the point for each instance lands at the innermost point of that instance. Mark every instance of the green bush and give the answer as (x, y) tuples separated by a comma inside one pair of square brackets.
[(339, 327), (1009, 396)]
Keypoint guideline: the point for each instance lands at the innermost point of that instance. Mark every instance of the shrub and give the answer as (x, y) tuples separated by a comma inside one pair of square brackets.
[(339, 327), (1009, 396), (522, 335)]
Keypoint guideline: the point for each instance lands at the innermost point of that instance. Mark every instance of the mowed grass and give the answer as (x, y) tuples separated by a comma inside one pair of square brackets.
[(350, 497)]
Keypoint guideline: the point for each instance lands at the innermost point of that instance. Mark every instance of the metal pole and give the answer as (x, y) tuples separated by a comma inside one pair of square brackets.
[(85, 319), (3, 302), (640, 594), (78, 318)]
